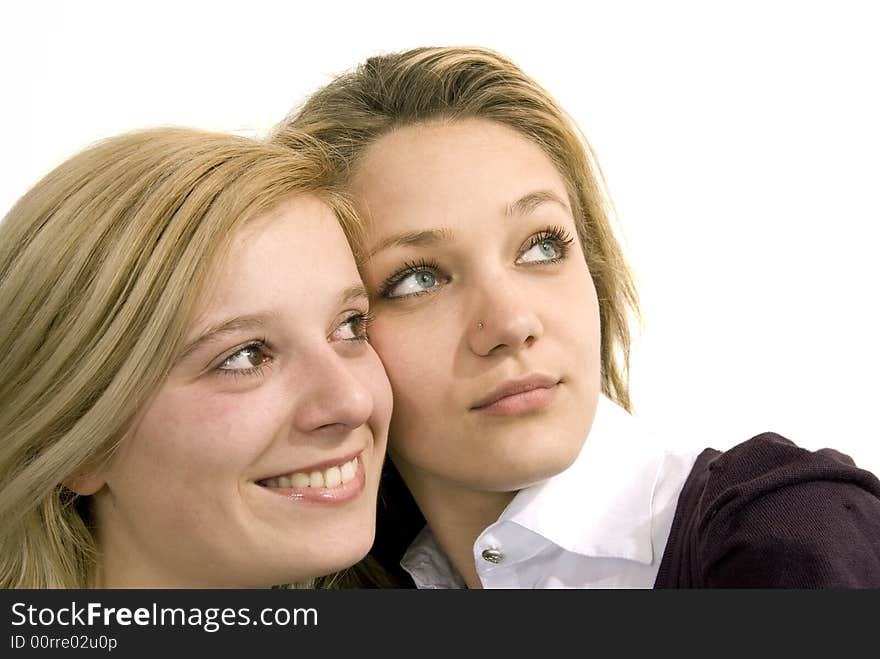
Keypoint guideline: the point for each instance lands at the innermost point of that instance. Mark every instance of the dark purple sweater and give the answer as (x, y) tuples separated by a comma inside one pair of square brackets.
[(768, 514)]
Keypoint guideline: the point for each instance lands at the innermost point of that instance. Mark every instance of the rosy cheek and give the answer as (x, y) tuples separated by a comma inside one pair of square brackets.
[(196, 431), (382, 340), (403, 341)]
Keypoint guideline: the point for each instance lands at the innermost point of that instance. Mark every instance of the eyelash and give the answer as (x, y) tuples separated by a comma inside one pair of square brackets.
[(359, 320), (555, 233), (408, 268), (362, 321), (254, 370)]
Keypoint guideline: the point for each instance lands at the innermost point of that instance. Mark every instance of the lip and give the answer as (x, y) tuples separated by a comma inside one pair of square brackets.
[(339, 494), (523, 394), (319, 466)]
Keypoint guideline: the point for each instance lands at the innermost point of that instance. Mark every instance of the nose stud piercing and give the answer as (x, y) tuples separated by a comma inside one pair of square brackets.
[(480, 325)]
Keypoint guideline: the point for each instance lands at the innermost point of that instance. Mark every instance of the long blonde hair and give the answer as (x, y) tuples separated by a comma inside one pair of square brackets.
[(101, 264), (425, 84)]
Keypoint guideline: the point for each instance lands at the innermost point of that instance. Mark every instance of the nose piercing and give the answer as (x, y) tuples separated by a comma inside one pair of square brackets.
[(480, 325)]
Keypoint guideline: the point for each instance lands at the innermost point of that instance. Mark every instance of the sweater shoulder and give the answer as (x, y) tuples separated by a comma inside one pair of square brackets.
[(768, 513), (767, 463)]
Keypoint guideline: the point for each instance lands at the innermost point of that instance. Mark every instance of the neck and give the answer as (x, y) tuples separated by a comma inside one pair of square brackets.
[(457, 515)]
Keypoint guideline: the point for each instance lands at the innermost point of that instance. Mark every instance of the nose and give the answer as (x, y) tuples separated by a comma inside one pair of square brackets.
[(329, 396), (503, 321)]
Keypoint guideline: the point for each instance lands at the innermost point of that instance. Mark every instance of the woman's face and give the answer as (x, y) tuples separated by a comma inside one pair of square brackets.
[(486, 317), (258, 460)]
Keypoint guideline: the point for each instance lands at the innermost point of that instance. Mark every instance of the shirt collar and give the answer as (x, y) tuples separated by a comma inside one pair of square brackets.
[(601, 506)]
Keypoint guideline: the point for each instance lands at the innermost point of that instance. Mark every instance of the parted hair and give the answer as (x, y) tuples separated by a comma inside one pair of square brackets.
[(428, 84), (101, 265)]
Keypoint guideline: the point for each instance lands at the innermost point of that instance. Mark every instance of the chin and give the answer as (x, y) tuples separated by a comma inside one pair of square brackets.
[(315, 553), (516, 474), (342, 551), (517, 479), (530, 460)]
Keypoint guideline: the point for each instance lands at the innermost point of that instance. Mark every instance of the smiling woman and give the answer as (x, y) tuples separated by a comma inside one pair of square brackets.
[(190, 399)]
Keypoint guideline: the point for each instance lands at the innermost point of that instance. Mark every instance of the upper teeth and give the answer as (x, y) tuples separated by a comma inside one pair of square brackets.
[(328, 478)]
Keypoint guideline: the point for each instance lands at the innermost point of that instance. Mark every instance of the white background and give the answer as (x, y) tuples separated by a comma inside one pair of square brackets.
[(740, 142)]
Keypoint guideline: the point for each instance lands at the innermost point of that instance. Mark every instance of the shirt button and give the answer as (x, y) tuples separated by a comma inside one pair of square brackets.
[(492, 555)]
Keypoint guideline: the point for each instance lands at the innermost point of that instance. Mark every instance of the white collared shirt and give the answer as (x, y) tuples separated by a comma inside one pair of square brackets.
[(601, 523)]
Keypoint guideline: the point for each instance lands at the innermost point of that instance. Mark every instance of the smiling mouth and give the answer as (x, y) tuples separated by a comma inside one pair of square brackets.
[(324, 478)]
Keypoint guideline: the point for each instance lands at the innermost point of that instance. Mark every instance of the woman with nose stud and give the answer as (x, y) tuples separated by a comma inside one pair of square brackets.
[(502, 302), (189, 398)]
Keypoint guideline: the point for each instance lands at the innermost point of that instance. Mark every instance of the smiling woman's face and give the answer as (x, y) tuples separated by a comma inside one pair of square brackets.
[(486, 316), (258, 460)]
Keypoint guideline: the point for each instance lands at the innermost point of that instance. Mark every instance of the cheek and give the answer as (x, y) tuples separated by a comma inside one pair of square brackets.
[(581, 321), (191, 443), (404, 344), (590, 307), (570, 313), (418, 363)]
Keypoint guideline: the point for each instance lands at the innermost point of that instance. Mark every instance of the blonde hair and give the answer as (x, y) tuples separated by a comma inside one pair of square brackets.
[(427, 84), (101, 264)]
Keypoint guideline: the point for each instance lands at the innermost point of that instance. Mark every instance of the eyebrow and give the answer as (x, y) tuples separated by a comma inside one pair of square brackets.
[(522, 206), (230, 326), (528, 203), (413, 239), (259, 321), (353, 293)]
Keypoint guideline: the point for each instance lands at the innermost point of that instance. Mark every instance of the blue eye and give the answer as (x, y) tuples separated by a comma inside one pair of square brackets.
[(416, 282), (414, 279), (545, 250), (548, 246)]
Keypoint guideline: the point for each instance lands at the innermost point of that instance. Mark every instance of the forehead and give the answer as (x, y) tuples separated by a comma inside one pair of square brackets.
[(295, 250), (447, 166), (297, 222)]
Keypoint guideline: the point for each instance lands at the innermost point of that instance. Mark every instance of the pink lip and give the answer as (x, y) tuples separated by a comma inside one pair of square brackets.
[(520, 395), (339, 494), (321, 466)]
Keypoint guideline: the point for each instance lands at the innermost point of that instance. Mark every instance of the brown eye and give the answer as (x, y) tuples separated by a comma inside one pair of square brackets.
[(352, 328), (249, 357)]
